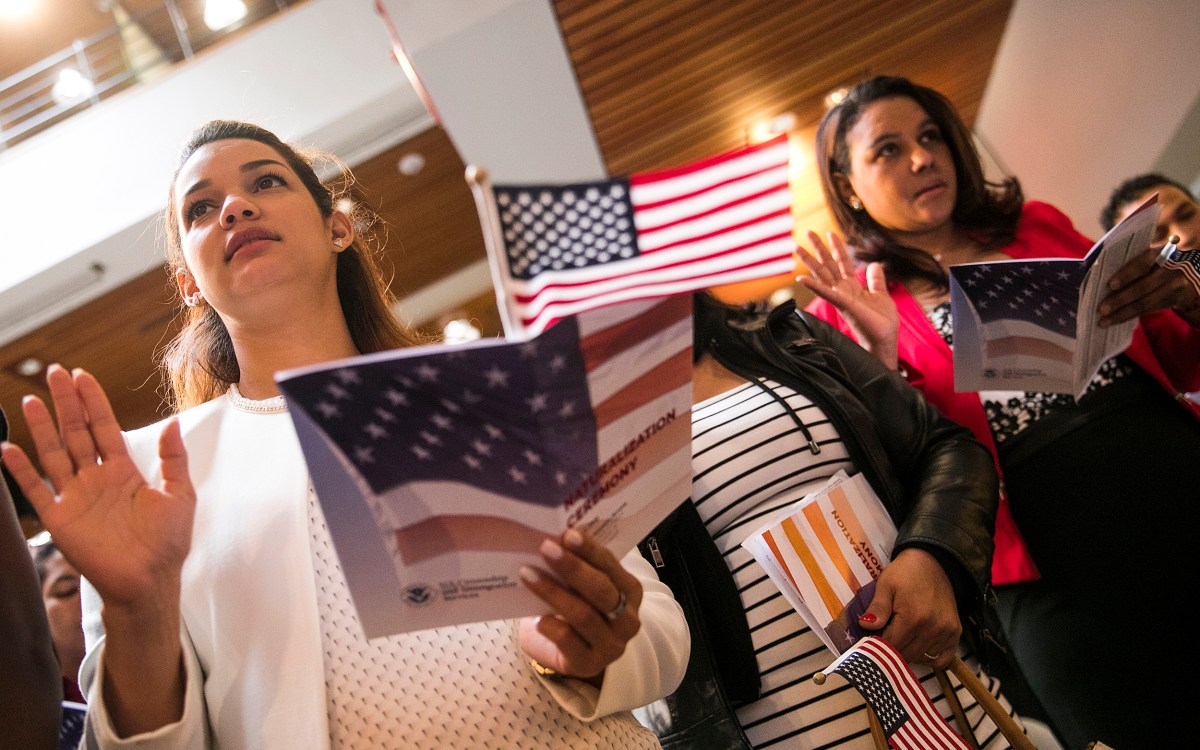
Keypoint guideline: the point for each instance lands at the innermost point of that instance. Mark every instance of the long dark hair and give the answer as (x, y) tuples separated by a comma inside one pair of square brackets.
[(987, 210), (200, 362)]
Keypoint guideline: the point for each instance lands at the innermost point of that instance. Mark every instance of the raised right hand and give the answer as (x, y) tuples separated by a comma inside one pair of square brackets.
[(128, 539), (870, 311)]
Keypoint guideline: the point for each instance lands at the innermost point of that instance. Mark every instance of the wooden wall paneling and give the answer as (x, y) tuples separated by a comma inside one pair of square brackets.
[(114, 337), (432, 228)]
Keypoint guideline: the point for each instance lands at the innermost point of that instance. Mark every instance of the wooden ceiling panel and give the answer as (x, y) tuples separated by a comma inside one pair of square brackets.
[(670, 81)]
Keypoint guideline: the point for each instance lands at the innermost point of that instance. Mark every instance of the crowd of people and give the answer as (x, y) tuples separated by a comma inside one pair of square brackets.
[(1060, 517)]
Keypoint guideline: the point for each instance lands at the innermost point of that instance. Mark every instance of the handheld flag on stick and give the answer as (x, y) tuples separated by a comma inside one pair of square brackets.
[(1186, 262), (557, 250), (879, 673)]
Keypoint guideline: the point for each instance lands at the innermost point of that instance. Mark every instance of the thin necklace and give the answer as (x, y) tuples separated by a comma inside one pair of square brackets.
[(273, 405)]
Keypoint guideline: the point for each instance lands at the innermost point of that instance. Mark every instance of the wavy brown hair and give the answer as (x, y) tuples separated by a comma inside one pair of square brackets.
[(987, 210), (200, 363)]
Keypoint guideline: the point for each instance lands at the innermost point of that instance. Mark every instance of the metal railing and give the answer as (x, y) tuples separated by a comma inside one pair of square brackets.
[(134, 49)]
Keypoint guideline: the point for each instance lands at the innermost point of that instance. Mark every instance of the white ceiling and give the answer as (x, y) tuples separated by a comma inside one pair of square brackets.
[(1086, 93)]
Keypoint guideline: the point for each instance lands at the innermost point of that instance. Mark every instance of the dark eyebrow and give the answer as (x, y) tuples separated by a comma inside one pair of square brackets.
[(249, 166), (885, 136)]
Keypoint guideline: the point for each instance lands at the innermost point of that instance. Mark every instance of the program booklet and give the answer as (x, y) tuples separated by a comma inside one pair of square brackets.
[(825, 553), (1030, 325), (440, 469)]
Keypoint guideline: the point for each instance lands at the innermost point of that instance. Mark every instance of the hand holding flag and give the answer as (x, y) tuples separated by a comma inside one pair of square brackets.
[(1186, 262), (879, 673)]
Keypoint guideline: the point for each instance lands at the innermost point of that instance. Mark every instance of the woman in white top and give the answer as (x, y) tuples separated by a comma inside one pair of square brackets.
[(216, 614)]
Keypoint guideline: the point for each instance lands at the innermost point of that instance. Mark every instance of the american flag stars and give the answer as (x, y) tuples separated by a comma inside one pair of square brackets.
[(1043, 293), (436, 419)]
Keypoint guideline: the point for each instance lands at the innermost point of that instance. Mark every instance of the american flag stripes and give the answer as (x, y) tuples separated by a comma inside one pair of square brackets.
[(1186, 262), (563, 249), (879, 673)]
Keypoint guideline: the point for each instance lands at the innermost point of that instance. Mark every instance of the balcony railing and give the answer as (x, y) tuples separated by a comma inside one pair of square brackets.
[(135, 49)]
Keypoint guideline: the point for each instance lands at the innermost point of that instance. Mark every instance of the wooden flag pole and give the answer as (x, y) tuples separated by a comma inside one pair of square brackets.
[(489, 221), (1008, 726), (877, 736), (960, 717)]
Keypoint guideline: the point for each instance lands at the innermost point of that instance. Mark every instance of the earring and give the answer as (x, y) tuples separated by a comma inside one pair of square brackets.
[(855, 203), (194, 300), (339, 242)]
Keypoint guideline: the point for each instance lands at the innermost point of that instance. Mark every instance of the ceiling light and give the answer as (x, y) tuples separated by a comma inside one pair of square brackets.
[(221, 13), (411, 164), (768, 129), (459, 332), (71, 86), (14, 9), (30, 367), (835, 97)]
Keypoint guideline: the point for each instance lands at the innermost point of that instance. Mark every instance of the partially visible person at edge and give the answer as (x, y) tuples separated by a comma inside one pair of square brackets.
[(783, 402), (215, 613), (1180, 212), (60, 596), (1103, 492), (30, 688)]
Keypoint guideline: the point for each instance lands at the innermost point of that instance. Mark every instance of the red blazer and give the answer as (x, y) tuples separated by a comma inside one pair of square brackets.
[(1164, 345)]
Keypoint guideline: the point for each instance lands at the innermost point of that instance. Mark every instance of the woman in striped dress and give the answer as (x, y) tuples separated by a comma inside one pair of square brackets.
[(782, 402)]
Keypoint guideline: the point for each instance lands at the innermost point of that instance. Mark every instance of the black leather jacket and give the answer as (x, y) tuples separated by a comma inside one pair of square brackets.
[(937, 482)]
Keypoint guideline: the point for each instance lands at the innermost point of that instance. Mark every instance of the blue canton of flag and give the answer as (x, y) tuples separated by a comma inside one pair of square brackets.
[(408, 420), (868, 679), (554, 228)]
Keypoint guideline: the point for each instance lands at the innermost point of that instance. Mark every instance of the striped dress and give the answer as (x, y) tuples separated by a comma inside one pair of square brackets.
[(750, 458)]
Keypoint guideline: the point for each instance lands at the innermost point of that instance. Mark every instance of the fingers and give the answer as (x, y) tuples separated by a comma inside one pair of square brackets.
[(73, 428), (87, 429), (916, 596), (595, 605), (841, 256), (876, 278), (57, 464), (821, 262), (27, 478), (1156, 290), (105, 430), (176, 480)]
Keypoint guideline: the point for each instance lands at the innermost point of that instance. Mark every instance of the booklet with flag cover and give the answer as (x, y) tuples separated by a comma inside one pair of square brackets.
[(825, 552), (440, 469), (1030, 325)]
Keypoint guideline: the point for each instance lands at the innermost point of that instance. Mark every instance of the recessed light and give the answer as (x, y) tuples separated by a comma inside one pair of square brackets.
[(835, 97), (411, 164), (30, 367)]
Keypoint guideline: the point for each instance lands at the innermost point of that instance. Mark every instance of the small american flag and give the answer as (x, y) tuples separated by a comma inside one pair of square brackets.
[(563, 249), (879, 673), (1186, 262)]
